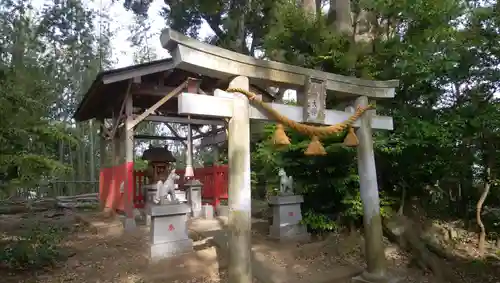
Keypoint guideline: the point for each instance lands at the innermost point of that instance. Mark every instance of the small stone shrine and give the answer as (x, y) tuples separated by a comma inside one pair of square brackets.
[(286, 212)]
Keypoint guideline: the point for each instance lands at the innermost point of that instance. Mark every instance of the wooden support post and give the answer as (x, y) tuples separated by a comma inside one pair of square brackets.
[(239, 187), (103, 158), (215, 148), (189, 154), (114, 160), (128, 138), (374, 246)]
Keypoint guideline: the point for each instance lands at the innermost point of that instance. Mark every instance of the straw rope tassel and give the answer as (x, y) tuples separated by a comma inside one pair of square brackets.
[(280, 138), (351, 139), (315, 148)]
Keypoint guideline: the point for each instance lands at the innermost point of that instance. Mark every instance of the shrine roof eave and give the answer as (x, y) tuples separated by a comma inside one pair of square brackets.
[(206, 59), (91, 103)]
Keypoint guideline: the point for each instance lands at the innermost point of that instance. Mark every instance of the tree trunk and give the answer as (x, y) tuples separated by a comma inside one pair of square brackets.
[(479, 207), (402, 205), (60, 186), (70, 187), (309, 7), (343, 15)]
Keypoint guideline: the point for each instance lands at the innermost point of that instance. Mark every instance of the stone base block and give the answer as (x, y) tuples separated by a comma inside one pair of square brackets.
[(129, 224), (170, 249), (284, 200), (296, 232), (286, 218), (222, 210), (181, 196), (197, 213), (207, 211)]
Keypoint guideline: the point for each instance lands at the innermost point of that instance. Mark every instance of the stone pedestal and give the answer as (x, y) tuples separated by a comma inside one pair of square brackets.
[(207, 211), (222, 210), (194, 196), (181, 196), (169, 233), (286, 218), (150, 193)]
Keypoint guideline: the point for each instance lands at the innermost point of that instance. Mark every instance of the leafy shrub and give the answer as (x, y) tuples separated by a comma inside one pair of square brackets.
[(318, 223), (36, 247), (354, 206)]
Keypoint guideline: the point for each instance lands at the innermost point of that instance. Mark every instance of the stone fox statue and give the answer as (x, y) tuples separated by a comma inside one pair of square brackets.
[(286, 183), (163, 189)]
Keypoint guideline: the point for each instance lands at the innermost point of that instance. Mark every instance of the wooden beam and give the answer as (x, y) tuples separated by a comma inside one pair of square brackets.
[(194, 85), (174, 132), (211, 140), (152, 90), (182, 120), (211, 133), (214, 106), (151, 137), (216, 62), (157, 105), (129, 73)]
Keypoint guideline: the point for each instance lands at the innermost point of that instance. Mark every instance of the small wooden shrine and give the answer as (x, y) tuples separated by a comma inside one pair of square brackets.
[(160, 162)]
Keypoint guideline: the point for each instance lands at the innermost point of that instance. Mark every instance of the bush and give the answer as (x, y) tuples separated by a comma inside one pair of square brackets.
[(318, 223), (36, 247)]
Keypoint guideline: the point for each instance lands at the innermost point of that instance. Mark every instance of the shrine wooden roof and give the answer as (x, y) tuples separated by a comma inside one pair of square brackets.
[(157, 78)]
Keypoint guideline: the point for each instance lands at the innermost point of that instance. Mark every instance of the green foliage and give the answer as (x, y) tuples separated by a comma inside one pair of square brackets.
[(140, 164), (318, 223), (37, 247), (354, 206)]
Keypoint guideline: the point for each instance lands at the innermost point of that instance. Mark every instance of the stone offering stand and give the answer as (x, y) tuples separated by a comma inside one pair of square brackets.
[(286, 218)]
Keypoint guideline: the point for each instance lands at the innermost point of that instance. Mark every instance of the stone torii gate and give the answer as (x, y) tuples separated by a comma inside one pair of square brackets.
[(312, 86)]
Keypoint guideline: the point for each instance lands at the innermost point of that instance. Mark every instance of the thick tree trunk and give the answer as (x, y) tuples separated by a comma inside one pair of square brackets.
[(309, 7), (343, 15)]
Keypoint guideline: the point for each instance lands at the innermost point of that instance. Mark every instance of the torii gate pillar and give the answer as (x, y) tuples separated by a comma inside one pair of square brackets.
[(372, 223), (239, 191)]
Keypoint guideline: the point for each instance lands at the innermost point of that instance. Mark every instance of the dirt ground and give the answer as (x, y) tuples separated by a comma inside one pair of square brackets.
[(97, 257)]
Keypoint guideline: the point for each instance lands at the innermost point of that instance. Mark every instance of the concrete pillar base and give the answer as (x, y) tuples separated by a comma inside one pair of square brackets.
[(129, 224)]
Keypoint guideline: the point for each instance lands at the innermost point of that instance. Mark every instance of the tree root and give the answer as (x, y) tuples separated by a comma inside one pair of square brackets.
[(403, 231)]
